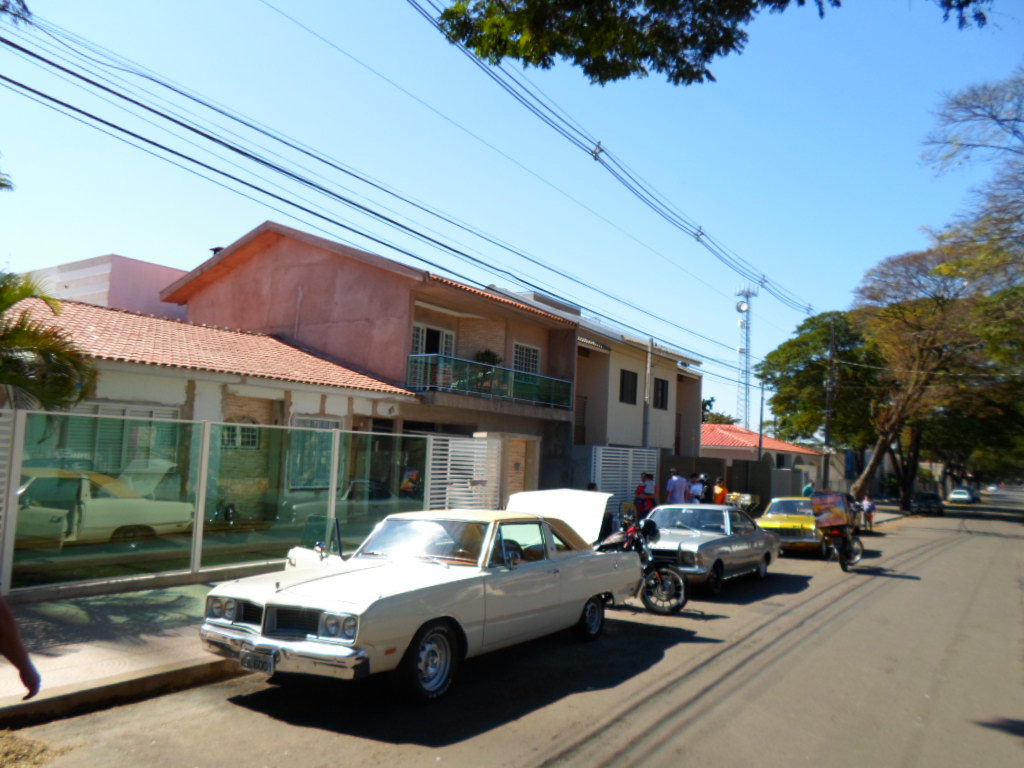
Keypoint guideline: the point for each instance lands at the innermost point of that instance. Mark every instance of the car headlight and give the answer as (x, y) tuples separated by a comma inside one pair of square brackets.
[(215, 607), (221, 608), (338, 626)]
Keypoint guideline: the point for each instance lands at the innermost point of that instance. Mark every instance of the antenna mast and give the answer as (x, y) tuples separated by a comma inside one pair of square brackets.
[(746, 293)]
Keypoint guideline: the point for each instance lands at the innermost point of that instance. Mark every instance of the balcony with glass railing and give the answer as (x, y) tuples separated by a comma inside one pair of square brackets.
[(452, 374)]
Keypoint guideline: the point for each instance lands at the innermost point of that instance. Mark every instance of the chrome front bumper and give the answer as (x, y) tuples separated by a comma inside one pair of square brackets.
[(299, 656), (694, 574)]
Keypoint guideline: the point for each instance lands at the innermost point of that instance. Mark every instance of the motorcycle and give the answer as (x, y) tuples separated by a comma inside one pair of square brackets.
[(663, 588), (844, 545)]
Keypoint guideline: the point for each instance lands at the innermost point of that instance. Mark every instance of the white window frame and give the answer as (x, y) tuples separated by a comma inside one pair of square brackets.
[(532, 354), (240, 436), (419, 339)]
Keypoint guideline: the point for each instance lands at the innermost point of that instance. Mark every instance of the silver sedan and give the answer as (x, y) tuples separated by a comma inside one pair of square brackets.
[(711, 543)]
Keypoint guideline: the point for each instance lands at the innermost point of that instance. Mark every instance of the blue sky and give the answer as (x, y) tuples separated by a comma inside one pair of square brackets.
[(803, 159)]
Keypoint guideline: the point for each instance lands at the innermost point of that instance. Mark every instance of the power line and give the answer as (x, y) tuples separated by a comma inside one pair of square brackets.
[(319, 188), (291, 175), (622, 173)]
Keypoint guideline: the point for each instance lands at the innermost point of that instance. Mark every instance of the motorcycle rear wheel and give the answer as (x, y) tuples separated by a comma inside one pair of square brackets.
[(856, 551), (664, 590), (850, 552)]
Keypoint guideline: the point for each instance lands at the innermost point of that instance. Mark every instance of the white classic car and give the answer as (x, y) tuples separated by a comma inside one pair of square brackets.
[(423, 592), (82, 506)]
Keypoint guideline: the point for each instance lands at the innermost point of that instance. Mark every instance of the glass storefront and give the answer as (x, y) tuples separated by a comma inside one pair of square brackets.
[(110, 497)]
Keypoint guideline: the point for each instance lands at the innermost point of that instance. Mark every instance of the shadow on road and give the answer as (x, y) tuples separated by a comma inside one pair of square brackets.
[(876, 571), (1012, 727), (491, 690), (749, 589)]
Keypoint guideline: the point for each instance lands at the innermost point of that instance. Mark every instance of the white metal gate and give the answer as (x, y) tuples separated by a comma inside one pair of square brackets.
[(617, 471), (6, 440), (465, 473)]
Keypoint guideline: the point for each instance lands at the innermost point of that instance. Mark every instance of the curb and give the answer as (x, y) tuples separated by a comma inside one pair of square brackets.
[(76, 700)]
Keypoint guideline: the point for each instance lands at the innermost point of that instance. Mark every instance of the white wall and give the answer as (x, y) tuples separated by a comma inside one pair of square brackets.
[(131, 387), (625, 421)]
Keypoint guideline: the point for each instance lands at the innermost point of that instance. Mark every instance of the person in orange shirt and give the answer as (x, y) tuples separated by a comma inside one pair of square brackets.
[(720, 491)]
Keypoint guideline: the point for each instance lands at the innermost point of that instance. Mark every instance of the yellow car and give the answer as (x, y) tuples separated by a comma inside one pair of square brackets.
[(792, 519)]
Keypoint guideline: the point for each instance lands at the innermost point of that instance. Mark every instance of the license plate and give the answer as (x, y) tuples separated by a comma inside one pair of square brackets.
[(258, 662)]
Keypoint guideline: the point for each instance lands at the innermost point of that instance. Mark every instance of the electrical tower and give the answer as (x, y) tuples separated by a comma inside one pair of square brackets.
[(746, 293)]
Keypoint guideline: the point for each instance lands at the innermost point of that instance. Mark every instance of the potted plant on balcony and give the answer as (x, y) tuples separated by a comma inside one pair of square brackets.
[(486, 380)]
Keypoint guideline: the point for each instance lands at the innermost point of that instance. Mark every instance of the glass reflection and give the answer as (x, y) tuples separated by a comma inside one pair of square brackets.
[(103, 497)]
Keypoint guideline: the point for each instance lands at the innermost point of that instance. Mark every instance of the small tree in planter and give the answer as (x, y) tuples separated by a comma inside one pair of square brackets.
[(486, 380)]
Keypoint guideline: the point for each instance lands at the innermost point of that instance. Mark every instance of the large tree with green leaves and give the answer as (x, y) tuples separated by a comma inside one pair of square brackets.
[(929, 325), (617, 39), (828, 352)]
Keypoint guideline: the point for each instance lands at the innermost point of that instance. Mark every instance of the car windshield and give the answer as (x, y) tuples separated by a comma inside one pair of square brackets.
[(456, 541), (790, 507), (695, 519)]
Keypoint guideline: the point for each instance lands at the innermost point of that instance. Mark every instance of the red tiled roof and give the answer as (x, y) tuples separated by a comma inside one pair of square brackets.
[(116, 334), (734, 436)]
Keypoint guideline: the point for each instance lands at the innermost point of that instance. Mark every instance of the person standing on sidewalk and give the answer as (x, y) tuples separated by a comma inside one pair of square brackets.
[(869, 512), (676, 488), (696, 489), (720, 491), (12, 646)]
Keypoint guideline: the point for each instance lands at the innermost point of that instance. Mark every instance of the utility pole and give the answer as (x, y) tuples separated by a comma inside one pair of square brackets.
[(760, 429), (648, 386), (830, 399)]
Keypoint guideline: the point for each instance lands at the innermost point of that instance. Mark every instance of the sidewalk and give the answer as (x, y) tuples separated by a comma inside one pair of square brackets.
[(95, 652)]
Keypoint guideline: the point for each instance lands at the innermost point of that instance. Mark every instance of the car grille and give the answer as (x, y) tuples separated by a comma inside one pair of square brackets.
[(679, 556), (286, 621), (791, 533), (249, 613), (665, 554)]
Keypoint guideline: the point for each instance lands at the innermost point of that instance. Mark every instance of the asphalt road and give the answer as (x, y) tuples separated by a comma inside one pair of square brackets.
[(914, 658)]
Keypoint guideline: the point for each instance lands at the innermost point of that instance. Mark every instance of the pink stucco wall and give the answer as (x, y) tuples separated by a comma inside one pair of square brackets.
[(355, 312), (135, 285)]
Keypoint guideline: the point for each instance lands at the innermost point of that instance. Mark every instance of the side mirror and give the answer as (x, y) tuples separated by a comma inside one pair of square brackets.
[(512, 560)]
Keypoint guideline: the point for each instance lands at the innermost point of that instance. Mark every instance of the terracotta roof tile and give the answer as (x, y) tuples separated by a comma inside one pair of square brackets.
[(734, 436), (116, 334)]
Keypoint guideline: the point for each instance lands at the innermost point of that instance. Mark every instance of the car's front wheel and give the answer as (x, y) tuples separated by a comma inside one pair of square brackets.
[(715, 579), (431, 661)]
